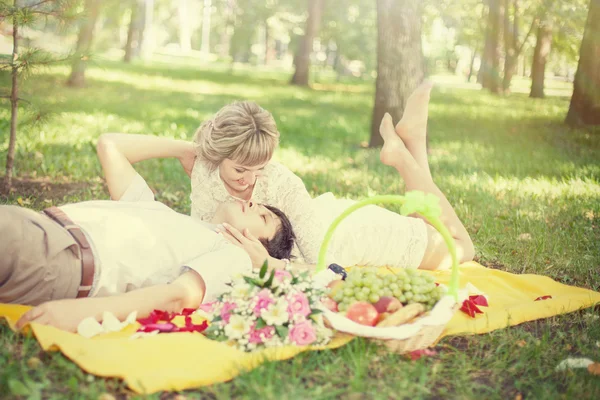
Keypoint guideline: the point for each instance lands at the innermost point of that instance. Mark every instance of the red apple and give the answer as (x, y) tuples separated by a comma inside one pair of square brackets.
[(329, 304), (363, 313), (388, 304)]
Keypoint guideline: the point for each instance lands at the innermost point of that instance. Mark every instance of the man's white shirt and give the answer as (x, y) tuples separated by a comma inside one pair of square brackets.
[(139, 242)]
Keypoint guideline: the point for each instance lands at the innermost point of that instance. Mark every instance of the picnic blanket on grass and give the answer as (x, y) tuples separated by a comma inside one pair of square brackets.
[(179, 361)]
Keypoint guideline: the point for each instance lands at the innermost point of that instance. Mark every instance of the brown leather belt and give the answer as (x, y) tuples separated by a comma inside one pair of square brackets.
[(87, 257)]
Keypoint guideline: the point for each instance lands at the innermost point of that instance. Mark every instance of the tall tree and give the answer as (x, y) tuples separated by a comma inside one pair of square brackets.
[(84, 43), (302, 58), (540, 56), (512, 46), (400, 61), (134, 30), (206, 14), (23, 61), (492, 50), (185, 32), (585, 102)]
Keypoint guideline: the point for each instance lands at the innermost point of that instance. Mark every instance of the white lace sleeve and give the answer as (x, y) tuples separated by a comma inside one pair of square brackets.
[(293, 199)]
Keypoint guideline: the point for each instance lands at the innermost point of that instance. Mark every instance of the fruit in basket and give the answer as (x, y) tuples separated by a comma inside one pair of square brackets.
[(334, 286), (402, 316), (363, 313), (372, 284), (329, 304), (387, 304)]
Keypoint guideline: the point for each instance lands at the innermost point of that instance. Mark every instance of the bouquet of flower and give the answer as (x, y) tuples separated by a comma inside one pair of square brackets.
[(269, 309)]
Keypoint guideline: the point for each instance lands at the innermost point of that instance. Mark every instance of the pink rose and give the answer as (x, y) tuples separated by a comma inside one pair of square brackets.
[(281, 274), (226, 311), (208, 307), (298, 305), (258, 336), (303, 333), (263, 299)]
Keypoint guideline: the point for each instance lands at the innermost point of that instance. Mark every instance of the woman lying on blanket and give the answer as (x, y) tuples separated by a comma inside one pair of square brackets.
[(232, 162)]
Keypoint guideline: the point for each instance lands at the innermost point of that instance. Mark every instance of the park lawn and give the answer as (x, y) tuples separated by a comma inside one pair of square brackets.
[(526, 186)]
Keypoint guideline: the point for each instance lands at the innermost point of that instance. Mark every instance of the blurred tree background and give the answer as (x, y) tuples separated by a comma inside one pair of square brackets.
[(492, 41)]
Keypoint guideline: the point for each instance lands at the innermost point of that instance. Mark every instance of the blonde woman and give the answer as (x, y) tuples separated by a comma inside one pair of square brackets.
[(234, 151)]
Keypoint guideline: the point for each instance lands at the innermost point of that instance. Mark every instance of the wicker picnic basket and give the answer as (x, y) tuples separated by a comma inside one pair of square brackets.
[(421, 332)]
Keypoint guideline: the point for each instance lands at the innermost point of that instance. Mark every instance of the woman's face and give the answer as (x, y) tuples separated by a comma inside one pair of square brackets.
[(239, 177)]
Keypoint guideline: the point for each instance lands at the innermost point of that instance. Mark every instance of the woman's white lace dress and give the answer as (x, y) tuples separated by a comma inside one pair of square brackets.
[(370, 236)]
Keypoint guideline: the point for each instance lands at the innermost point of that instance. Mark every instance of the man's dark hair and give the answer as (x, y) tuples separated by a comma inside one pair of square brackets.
[(282, 243)]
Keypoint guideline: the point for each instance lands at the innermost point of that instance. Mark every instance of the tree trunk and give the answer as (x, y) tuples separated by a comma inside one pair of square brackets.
[(302, 58), (400, 59), (14, 102), (133, 33), (185, 34), (206, 13), (471, 65), (585, 103), (511, 35), (540, 56), (147, 35), (84, 43), (491, 65)]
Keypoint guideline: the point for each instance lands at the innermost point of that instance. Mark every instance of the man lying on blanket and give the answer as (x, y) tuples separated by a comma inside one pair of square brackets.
[(129, 253)]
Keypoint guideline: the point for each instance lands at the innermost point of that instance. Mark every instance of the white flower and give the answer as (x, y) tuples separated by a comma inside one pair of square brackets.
[(237, 327), (241, 290), (276, 314)]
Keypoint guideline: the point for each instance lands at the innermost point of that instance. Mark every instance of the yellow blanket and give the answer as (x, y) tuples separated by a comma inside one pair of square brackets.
[(180, 361)]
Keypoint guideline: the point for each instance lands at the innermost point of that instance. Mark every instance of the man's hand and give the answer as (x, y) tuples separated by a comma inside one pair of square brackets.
[(62, 314), (255, 249)]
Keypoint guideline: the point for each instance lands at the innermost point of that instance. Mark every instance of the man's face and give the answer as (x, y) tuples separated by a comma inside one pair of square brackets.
[(258, 219)]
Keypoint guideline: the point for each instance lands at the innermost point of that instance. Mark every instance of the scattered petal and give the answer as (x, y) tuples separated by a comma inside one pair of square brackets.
[(89, 327), (472, 289), (523, 237), (479, 300), (139, 335), (415, 355), (110, 323), (543, 298), (571, 363), (594, 369), (161, 327), (470, 308)]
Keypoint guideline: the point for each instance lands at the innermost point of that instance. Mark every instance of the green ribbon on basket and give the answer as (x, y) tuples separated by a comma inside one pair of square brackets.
[(414, 202)]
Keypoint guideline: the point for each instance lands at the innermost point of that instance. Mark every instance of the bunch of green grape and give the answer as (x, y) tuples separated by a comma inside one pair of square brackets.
[(370, 284)]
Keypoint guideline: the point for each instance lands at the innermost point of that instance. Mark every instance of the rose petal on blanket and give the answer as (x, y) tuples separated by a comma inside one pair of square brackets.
[(571, 363), (89, 328), (161, 327), (470, 308), (543, 298), (479, 300)]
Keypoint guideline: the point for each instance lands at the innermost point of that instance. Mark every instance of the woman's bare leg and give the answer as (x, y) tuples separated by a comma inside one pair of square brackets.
[(412, 128), (416, 177)]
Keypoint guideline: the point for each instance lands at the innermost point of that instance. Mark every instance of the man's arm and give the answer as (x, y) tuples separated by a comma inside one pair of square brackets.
[(187, 291), (119, 151)]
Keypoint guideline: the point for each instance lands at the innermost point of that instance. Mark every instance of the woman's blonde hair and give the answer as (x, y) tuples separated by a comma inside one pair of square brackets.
[(242, 131)]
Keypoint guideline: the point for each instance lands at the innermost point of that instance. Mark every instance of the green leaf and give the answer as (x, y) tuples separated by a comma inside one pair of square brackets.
[(217, 319), (269, 281), (253, 281), (263, 270), (260, 323), (18, 388), (315, 312), (282, 331)]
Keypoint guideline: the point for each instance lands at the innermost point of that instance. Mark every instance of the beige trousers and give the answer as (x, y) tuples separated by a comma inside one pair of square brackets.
[(39, 259)]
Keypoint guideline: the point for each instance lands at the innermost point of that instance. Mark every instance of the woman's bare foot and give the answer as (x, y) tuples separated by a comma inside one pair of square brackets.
[(393, 152), (413, 124)]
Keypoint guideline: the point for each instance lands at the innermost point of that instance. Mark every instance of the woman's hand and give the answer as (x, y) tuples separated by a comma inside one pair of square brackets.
[(62, 314), (255, 249)]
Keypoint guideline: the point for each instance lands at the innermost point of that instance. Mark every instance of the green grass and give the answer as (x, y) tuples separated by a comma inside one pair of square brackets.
[(526, 186)]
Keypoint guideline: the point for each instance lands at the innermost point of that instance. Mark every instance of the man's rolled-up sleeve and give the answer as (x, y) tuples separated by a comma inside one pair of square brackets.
[(217, 267)]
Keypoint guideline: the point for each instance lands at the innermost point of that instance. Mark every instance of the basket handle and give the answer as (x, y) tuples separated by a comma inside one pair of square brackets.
[(426, 205)]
